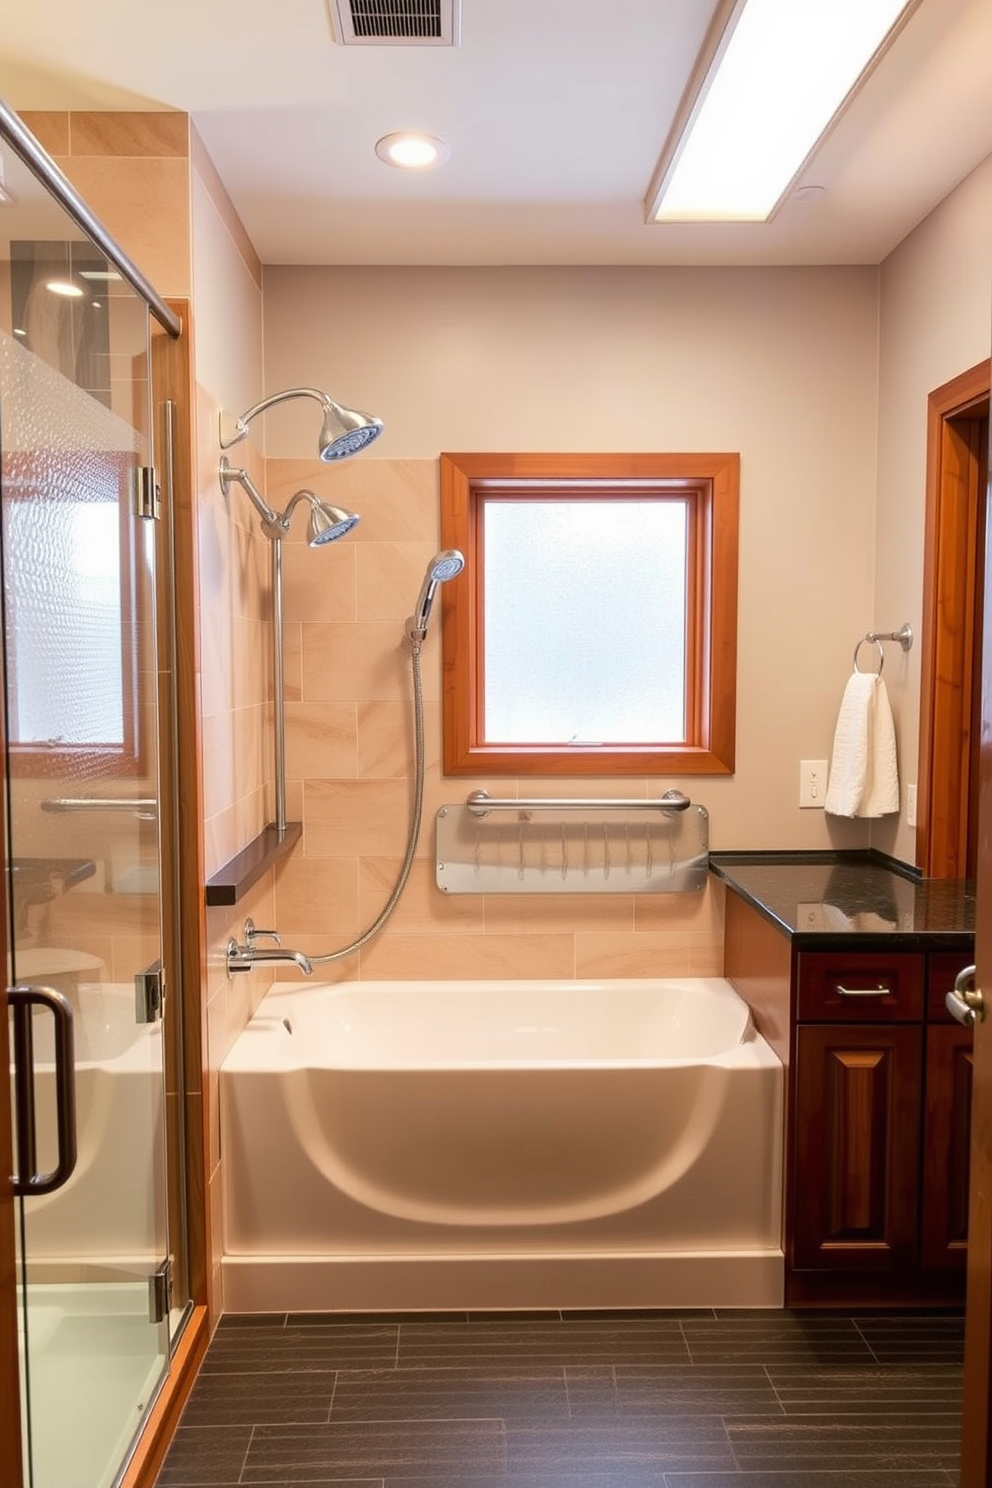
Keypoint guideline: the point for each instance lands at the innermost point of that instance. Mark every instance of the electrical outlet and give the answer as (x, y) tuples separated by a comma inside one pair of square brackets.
[(911, 805), (812, 783)]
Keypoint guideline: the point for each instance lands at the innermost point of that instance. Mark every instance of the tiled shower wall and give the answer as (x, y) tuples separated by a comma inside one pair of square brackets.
[(349, 746)]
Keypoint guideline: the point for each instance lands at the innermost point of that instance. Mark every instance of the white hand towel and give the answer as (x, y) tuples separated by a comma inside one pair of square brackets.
[(863, 777)]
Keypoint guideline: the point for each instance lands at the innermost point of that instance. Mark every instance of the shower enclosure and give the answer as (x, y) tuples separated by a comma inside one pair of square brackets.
[(101, 1287)]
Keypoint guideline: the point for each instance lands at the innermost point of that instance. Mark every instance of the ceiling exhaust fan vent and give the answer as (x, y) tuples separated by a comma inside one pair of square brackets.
[(396, 22)]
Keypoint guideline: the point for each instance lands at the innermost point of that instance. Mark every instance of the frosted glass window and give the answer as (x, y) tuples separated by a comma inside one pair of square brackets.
[(585, 620), (64, 595), (593, 629)]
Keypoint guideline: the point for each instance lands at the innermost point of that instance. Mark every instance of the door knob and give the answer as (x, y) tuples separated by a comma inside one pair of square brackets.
[(967, 1002)]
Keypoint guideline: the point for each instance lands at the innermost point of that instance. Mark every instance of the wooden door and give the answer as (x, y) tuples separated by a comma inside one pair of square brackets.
[(976, 1447)]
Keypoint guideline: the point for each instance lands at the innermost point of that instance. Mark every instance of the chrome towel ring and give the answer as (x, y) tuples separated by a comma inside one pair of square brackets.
[(904, 635)]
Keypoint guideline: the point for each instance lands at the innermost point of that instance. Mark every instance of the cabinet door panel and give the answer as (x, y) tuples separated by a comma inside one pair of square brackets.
[(947, 1134), (860, 986), (857, 1147)]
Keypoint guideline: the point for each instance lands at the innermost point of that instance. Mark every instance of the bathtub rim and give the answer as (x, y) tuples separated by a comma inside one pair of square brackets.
[(263, 1047)]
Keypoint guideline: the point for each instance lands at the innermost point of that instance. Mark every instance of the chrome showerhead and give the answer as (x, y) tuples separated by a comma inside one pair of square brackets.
[(443, 566), (345, 431), (327, 523)]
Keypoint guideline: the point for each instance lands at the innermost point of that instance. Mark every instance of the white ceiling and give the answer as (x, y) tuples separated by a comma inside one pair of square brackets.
[(555, 112)]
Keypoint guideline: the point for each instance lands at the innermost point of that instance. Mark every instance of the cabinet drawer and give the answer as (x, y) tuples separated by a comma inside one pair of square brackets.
[(942, 968), (860, 987)]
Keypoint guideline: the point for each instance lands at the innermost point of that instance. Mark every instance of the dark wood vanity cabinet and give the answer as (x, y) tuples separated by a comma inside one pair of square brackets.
[(879, 1126)]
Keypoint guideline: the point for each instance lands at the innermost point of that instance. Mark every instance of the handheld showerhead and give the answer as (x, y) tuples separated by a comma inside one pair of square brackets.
[(442, 567)]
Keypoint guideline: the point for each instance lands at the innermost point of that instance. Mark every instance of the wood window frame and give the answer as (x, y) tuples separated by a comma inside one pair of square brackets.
[(712, 481)]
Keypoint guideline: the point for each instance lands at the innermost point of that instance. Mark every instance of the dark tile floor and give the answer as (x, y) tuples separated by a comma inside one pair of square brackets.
[(575, 1400)]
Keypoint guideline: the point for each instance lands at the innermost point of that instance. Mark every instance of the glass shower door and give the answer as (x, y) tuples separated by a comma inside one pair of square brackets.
[(82, 779)]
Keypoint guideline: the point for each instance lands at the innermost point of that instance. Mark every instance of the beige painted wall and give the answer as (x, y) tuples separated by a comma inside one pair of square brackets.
[(936, 321), (780, 365)]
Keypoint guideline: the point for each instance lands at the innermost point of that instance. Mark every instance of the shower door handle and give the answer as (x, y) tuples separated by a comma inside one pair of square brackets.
[(27, 1181)]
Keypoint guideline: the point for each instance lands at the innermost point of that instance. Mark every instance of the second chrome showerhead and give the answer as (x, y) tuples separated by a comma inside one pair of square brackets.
[(326, 522)]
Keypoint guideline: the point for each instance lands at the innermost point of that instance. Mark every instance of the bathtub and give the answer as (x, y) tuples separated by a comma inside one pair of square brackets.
[(473, 1144)]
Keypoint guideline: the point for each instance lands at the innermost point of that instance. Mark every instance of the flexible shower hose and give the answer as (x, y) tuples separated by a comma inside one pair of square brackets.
[(415, 815)]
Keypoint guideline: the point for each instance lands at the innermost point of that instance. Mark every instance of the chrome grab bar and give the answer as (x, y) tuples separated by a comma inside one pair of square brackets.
[(146, 804), (27, 1181), (480, 803)]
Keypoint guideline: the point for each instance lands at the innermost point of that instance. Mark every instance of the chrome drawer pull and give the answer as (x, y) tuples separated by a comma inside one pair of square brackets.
[(878, 991)]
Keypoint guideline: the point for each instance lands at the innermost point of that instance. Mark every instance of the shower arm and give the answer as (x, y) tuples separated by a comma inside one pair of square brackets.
[(233, 430), (270, 519)]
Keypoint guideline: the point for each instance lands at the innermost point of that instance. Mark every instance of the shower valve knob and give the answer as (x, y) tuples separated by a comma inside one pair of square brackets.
[(252, 934)]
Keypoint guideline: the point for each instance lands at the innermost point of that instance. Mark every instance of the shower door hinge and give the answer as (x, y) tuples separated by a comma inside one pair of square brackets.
[(149, 993), (160, 1293), (145, 493)]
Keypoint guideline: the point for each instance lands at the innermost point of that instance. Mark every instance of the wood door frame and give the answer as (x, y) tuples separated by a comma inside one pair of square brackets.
[(950, 606)]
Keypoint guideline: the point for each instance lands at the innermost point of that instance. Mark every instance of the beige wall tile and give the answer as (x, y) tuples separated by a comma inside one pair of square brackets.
[(361, 662), (218, 762), (318, 897), (523, 914), (50, 128), (422, 908), (706, 955), (319, 583), (355, 818), (144, 204), (488, 957), (321, 741), (703, 911), (220, 839), (390, 576), (396, 500), (386, 741), (634, 955), (156, 134), (292, 662)]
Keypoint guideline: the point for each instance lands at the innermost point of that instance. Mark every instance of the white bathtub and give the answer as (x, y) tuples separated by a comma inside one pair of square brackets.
[(501, 1144)]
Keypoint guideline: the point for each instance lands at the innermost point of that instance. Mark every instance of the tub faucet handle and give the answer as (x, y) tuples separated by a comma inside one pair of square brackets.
[(252, 935)]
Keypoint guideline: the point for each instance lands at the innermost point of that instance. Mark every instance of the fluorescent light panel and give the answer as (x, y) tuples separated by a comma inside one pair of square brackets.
[(782, 71)]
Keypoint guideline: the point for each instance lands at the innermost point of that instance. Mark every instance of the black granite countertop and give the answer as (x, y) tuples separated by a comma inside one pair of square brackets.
[(823, 899)]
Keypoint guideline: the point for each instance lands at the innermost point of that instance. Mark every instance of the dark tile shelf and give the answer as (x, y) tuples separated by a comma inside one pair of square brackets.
[(575, 1400), (234, 880), (822, 900)]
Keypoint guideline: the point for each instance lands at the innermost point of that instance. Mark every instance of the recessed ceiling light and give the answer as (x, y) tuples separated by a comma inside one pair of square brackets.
[(65, 287), (776, 78), (412, 151), (19, 331)]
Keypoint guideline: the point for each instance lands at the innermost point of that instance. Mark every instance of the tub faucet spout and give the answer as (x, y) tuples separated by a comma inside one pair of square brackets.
[(246, 957)]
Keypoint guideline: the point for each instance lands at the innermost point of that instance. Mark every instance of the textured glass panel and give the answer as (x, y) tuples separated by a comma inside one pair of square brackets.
[(585, 624), (64, 609), (65, 463), (80, 676)]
